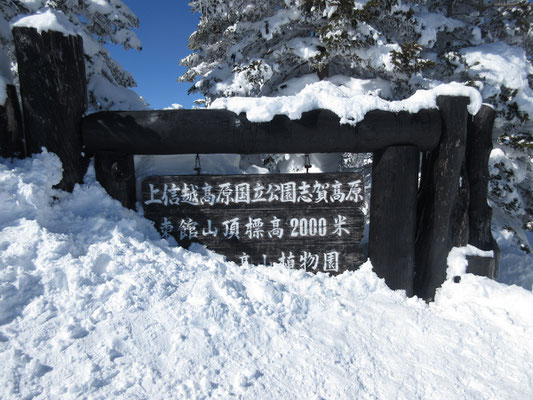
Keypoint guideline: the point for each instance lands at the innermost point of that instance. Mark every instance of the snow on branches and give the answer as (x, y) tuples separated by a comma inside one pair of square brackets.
[(249, 48), (98, 22)]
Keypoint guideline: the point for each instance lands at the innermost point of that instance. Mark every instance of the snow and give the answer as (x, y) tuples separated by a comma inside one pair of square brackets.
[(429, 24), (47, 20), (346, 97), (499, 64), (174, 106), (457, 259), (515, 265), (100, 6), (112, 97), (94, 304), (5, 31), (3, 90), (6, 77), (305, 48)]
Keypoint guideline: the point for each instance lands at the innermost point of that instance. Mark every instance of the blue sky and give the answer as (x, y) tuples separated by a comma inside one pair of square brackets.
[(165, 27)]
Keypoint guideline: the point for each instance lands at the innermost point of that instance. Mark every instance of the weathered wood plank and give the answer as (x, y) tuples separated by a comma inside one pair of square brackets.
[(221, 131), (11, 135), (116, 173), (391, 245), (51, 68), (479, 146), (265, 218), (439, 198)]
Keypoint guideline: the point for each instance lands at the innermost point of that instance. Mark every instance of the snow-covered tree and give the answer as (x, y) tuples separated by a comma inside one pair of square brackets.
[(252, 48), (98, 22)]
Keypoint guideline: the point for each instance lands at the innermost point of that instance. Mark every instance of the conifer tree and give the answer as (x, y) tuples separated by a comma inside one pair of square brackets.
[(98, 22), (249, 48)]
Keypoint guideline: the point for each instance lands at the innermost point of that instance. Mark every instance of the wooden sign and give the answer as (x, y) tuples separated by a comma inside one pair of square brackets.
[(309, 221)]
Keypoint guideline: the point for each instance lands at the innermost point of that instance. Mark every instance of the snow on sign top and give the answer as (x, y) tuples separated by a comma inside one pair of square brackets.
[(47, 20), (349, 102)]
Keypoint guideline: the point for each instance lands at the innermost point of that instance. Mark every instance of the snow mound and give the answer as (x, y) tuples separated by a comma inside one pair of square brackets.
[(344, 98), (94, 304), (47, 20)]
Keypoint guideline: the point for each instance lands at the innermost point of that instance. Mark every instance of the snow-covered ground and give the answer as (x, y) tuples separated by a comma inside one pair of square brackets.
[(94, 304)]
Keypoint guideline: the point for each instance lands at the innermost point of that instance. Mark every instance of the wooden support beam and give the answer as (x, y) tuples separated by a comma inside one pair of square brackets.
[(11, 136), (479, 146), (222, 131), (51, 68), (116, 173), (439, 198), (391, 245)]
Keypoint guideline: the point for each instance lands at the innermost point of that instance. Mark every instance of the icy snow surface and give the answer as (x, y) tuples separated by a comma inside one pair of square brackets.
[(347, 99), (94, 304)]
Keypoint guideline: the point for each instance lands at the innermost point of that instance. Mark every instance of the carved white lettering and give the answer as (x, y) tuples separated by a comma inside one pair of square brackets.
[(231, 228), (224, 196), (210, 231), (189, 194), (153, 192), (273, 192), (208, 197), (309, 261), (165, 227), (321, 192), (288, 192), (254, 228), (355, 193), (188, 229), (337, 194), (277, 230), (331, 261), (259, 193), (242, 193), (304, 193), (338, 225)]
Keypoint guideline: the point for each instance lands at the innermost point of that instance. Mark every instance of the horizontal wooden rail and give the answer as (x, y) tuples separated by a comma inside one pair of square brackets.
[(222, 131)]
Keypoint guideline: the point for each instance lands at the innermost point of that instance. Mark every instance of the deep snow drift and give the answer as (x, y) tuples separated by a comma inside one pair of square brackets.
[(94, 304)]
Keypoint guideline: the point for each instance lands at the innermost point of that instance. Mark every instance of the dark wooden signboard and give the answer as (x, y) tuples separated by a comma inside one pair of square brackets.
[(309, 221)]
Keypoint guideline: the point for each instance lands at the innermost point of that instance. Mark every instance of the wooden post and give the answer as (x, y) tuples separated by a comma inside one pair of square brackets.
[(11, 137), (53, 87), (439, 198), (479, 146), (391, 245), (116, 173)]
